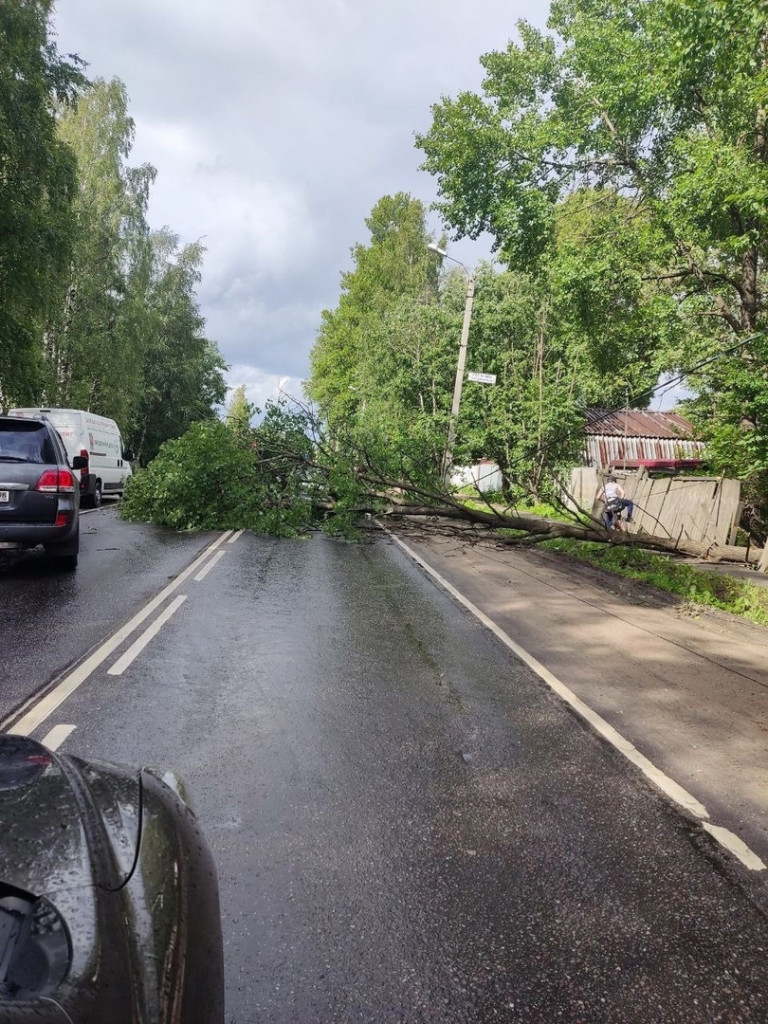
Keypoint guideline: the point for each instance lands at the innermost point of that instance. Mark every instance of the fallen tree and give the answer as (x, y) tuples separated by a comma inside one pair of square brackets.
[(533, 529), (536, 529), (368, 488), (284, 477)]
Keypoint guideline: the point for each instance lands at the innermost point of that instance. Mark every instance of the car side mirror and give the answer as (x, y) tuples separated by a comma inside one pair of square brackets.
[(79, 462), (128, 454)]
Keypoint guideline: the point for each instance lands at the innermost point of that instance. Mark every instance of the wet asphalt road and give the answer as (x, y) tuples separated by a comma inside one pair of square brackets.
[(408, 827), (50, 618)]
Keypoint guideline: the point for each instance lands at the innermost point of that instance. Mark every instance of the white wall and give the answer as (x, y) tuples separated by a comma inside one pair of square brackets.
[(486, 476)]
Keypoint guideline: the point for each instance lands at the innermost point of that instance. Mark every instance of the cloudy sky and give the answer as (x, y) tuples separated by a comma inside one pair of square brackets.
[(275, 126)]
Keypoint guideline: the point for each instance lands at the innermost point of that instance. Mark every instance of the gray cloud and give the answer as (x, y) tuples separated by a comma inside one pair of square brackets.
[(275, 125)]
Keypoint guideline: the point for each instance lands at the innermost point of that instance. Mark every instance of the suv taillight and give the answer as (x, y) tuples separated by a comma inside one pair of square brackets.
[(54, 480)]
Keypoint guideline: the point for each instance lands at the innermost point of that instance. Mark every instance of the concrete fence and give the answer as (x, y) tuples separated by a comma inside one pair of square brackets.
[(679, 508)]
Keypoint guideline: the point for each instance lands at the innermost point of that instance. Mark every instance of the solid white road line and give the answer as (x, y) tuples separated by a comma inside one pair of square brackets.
[(233, 539), (667, 785), (57, 735), (737, 846), (209, 565), (48, 704), (141, 642)]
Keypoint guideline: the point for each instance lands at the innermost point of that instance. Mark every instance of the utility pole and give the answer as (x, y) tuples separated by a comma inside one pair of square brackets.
[(457, 388)]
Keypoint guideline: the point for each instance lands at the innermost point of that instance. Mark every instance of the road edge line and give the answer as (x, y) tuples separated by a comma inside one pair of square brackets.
[(667, 785)]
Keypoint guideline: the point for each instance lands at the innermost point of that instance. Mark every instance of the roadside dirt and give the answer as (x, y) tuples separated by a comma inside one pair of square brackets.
[(628, 589), (644, 593)]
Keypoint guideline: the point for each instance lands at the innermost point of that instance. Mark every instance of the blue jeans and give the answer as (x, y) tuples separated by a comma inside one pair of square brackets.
[(620, 505)]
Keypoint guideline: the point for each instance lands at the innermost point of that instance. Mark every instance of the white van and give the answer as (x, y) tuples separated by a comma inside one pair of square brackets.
[(98, 440)]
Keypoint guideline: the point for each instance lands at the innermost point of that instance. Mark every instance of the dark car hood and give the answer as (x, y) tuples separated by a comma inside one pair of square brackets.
[(69, 839), (67, 824), (109, 910)]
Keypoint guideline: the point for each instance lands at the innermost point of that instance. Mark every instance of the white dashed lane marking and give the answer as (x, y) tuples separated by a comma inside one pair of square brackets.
[(141, 642), (57, 735), (43, 708), (207, 568)]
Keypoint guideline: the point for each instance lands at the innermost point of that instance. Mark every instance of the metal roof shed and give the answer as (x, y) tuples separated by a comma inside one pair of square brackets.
[(637, 434)]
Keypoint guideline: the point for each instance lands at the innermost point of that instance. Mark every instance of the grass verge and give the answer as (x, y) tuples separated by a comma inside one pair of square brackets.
[(542, 509), (718, 590), (700, 586)]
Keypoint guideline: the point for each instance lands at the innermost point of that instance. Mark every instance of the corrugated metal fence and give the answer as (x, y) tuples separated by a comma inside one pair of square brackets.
[(692, 508), (603, 449)]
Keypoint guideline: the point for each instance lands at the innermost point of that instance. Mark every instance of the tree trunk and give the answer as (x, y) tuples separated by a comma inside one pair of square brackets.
[(538, 528)]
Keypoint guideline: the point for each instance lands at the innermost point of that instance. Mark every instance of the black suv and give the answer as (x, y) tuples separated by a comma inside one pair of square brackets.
[(39, 494)]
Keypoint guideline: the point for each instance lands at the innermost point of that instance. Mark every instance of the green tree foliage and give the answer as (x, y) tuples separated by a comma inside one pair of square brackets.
[(182, 372), (663, 102), (385, 362), (240, 412), (37, 185), (200, 481), (393, 268), (615, 324), (96, 311), (127, 339), (378, 374), (215, 477), (405, 383), (530, 421), (656, 111), (95, 344)]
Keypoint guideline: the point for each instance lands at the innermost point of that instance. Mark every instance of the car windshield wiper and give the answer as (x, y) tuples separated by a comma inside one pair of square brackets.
[(12, 458)]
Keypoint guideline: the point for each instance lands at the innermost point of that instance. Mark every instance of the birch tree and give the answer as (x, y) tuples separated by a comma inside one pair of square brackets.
[(37, 187)]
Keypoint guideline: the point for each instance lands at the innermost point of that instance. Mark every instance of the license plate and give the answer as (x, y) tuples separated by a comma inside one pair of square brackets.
[(5, 496)]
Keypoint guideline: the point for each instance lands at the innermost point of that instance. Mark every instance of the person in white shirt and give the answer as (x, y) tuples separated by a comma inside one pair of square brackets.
[(614, 501)]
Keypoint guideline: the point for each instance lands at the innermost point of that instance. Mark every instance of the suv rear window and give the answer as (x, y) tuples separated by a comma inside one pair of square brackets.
[(26, 442)]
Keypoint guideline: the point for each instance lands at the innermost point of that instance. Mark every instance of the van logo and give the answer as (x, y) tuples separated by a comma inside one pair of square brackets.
[(90, 441)]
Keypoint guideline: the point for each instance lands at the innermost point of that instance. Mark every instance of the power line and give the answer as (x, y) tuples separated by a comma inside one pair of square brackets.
[(649, 392)]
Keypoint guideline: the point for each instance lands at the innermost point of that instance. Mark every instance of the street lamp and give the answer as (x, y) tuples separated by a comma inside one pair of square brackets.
[(448, 457)]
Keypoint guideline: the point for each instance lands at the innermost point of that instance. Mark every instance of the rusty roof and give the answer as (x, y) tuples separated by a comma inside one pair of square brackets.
[(637, 423)]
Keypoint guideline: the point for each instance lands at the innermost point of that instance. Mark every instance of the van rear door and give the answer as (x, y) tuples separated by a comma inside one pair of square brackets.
[(70, 427)]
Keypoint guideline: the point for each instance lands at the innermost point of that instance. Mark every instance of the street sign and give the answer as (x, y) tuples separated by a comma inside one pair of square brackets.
[(482, 378)]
